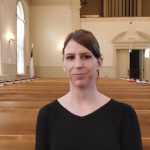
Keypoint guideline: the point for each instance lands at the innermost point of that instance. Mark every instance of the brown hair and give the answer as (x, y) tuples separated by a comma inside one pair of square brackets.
[(86, 39)]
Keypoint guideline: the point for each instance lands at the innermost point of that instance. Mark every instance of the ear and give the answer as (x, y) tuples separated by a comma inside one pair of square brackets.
[(99, 61)]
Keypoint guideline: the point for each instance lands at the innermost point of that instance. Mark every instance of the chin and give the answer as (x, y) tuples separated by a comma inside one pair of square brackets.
[(81, 83)]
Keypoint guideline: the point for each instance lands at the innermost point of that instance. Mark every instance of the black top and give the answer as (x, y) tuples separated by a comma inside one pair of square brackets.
[(114, 126)]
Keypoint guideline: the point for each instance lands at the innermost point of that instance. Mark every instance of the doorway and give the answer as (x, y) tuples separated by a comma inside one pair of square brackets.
[(136, 64), (130, 63)]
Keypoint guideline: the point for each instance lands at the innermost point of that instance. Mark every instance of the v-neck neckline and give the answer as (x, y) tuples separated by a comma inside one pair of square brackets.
[(67, 112)]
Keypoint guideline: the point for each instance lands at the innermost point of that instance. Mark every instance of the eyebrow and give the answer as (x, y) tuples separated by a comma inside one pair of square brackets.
[(84, 53)]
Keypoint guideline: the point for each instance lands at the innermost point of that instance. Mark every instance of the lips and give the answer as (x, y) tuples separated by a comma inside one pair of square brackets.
[(79, 74)]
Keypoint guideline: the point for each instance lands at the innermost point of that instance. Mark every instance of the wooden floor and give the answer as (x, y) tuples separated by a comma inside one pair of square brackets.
[(20, 103)]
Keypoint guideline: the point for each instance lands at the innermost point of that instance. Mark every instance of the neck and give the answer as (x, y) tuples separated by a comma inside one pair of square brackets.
[(82, 94)]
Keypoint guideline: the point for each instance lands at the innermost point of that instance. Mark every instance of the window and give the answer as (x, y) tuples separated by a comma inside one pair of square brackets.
[(20, 38), (114, 8)]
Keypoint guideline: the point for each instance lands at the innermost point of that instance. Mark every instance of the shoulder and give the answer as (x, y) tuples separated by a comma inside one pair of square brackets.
[(48, 109), (120, 105), (126, 111), (123, 108)]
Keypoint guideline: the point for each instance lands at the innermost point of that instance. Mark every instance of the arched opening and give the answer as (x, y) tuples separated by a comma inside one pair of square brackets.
[(130, 59), (20, 38)]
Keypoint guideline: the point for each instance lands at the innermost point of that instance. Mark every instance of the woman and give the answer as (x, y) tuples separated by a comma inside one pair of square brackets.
[(85, 119)]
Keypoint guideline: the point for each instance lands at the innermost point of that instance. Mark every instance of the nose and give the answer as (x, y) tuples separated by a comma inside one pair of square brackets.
[(78, 63)]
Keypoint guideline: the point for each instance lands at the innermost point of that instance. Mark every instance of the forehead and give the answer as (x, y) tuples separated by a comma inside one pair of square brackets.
[(74, 47)]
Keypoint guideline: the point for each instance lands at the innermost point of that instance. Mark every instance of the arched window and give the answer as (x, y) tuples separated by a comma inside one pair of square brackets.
[(20, 38)]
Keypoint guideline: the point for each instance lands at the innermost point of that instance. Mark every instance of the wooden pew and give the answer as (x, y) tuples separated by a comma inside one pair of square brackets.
[(137, 104), (28, 104), (20, 103), (27, 142), (23, 121), (144, 121), (18, 121), (128, 95), (146, 143), (37, 95), (17, 142)]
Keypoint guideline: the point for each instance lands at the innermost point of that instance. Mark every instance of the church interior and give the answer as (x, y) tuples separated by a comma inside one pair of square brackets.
[(32, 33)]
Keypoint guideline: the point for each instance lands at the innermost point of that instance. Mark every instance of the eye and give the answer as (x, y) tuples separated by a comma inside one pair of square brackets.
[(70, 57), (86, 57)]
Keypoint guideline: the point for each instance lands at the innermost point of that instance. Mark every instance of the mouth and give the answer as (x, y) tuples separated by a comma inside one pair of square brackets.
[(79, 74)]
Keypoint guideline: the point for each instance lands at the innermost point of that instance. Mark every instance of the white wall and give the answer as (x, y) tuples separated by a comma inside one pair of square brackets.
[(49, 26), (106, 29), (8, 15), (8, 25), (46, 31)]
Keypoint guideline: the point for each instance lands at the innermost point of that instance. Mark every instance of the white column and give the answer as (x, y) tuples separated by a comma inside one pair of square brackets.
[(148, 69), (75, 7), (0, 38)]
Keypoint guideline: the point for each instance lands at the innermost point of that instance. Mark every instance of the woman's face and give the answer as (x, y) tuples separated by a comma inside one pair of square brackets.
[(80, 64)]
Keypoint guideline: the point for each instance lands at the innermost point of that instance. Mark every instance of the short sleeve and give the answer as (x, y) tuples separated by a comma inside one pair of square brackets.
[(130, 131), (41, 141)]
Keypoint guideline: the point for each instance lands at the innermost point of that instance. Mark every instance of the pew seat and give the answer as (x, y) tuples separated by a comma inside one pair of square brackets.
[(23, 121), (20, 103), (17, 142), (23, 103), (27, 142), (137, 104)]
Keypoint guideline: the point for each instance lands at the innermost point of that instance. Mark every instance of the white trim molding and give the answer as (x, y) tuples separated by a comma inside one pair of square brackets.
[(49, 2)]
